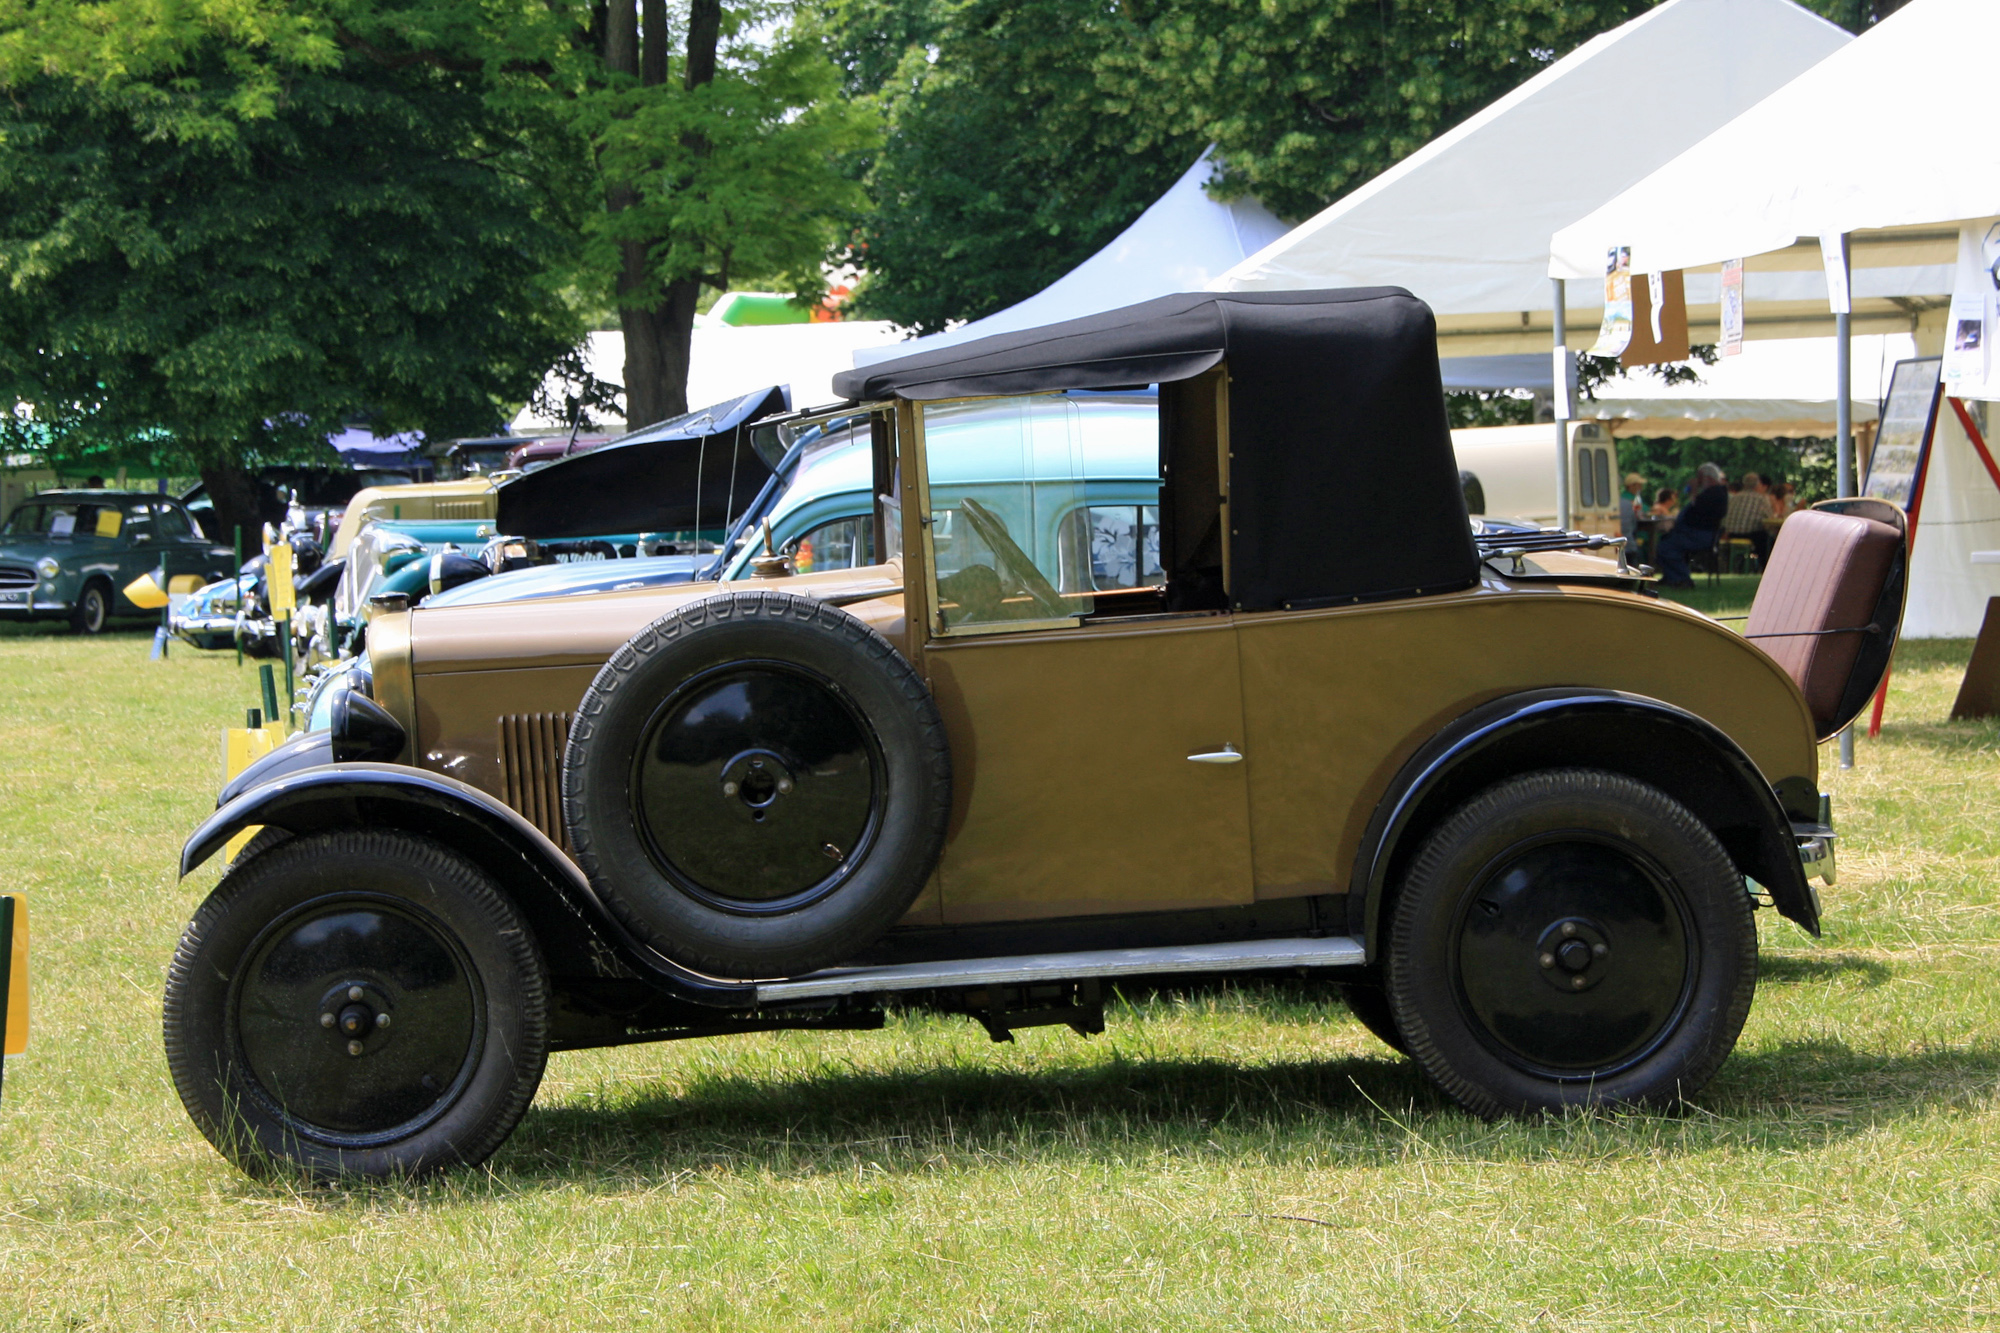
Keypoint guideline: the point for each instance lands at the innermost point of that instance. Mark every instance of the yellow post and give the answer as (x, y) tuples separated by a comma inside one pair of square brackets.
[(13, 978)]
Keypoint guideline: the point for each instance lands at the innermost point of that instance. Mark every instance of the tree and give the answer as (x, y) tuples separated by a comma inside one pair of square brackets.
[(673, 167), (1005, 162), (720, 161), (1306, 99), (382, 241)]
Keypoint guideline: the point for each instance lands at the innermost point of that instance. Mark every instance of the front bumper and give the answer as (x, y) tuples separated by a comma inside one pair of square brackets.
[(1816, 841)]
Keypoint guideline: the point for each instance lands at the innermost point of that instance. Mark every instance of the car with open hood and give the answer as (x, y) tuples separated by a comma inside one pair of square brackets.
[(1282, 708)]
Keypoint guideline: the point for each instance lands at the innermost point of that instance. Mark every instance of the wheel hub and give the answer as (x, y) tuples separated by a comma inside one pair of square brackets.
[(1573, 954), (757, 778)]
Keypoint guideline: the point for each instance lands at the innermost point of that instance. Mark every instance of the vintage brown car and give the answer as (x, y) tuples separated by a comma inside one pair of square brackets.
[(1297, 716)]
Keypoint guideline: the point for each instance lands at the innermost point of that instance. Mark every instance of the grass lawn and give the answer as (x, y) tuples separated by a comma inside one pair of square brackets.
[(1251, 1159)]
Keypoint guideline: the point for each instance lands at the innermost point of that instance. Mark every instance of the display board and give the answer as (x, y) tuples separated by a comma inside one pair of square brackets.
[(1903, 440)]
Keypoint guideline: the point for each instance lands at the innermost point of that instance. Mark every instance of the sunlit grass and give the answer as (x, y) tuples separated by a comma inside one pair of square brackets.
[(1243, 1159)]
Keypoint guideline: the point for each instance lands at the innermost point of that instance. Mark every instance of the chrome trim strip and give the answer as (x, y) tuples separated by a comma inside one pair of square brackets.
[(1241, 956)]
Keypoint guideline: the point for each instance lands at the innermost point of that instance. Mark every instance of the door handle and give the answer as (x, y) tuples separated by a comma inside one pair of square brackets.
[(1228, 754)]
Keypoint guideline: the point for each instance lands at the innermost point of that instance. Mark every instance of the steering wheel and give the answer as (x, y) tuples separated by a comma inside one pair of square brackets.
[(1013, 559)]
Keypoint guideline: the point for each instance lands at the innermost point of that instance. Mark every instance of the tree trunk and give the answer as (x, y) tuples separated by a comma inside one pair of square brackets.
[(659, 338), (658, 342), (238, 503), (658, 39)]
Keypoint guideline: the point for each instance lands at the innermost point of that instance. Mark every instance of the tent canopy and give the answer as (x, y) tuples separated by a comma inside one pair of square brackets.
[(1464, 221), (695, 471), (1176, 245), (1888, 141), (1890, 137), (1332, 395)]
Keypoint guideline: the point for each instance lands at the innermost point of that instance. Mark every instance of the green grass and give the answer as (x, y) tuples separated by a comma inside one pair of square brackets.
[(1249, 1159)]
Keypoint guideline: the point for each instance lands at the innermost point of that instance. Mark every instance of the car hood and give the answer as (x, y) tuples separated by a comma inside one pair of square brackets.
[(586, 630), (571, 580), (33, 549)]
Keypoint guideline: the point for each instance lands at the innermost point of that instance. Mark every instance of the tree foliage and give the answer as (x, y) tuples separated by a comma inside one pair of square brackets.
[(1005, 162), (379, 243), (422, 178)]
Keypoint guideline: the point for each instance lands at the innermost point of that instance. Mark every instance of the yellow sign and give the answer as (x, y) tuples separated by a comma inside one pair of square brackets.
[(241, 748), (145, 593), (278, 576), (17, 981), (109, 521)]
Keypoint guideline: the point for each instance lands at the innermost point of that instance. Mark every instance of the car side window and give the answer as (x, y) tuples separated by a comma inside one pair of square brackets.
[(1002, 472), (137, 522), (845, 543), (172, 522)]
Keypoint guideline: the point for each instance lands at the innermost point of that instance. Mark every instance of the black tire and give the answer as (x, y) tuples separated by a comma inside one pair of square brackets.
[(92, 611), (285, 942), (1369, 1003), (757, 785), (1571, 938)]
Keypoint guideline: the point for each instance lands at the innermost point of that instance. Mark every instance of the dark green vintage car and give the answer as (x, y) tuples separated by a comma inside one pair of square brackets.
[(67, 555)]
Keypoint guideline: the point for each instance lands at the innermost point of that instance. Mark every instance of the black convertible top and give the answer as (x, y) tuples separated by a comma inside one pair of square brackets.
[(1342, 479)]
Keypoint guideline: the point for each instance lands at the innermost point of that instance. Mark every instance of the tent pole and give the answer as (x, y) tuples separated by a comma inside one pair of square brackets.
[(1560, 397), (1843, 417)]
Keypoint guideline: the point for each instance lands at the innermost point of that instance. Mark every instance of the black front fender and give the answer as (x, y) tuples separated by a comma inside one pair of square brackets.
[(1652, 741), (578, 935)]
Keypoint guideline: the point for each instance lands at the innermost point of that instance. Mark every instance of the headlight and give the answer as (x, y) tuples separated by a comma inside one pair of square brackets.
[(48, 567)]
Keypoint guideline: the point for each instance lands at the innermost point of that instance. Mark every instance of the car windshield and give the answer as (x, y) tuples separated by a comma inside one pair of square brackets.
[(64, 519)]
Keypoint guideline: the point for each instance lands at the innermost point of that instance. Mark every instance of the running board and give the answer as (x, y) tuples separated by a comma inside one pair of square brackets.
[(1243, 956)]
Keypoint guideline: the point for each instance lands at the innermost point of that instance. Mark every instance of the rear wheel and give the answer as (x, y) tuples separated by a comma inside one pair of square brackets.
[(356, 1003), (92, 609), (1369, 1003), (1571, 938)]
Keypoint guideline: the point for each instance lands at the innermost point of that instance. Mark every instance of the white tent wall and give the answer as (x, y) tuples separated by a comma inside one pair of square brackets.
[(1177, 245), (1464, 221), (1960, 515)]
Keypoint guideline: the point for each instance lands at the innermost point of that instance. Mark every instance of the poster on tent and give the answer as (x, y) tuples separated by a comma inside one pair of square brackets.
[(1616, 330), (1903, 440), (1971, 368)]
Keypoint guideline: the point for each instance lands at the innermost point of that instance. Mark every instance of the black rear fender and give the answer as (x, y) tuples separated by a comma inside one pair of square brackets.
[(578, 936), (1653, 742)]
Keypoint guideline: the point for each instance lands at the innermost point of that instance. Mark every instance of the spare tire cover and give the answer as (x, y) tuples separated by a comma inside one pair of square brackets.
[(757, 785)]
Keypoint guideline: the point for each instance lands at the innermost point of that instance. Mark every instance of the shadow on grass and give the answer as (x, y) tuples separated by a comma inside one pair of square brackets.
[(1353, 1111), (1783, 969), (59, 629)]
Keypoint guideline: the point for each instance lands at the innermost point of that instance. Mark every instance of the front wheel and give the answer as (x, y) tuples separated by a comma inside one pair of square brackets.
[(356, 1003), (1571, 938), (92, 609)]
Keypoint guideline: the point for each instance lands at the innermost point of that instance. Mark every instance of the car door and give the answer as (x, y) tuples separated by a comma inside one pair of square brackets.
[(1097, 763), (183, 551)]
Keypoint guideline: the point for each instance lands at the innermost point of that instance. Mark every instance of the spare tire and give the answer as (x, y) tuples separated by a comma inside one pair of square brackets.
[(757, 785)]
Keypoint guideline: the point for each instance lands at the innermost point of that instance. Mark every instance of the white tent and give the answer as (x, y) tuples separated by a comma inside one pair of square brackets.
[(727, 361), (1889, 143), (1177, 245), (1464, 221)]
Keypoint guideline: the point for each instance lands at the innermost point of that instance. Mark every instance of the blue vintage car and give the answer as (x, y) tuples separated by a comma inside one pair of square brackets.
[(68, 555)]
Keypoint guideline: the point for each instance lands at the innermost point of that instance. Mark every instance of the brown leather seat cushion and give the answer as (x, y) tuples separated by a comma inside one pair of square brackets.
[(1826, 572)]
